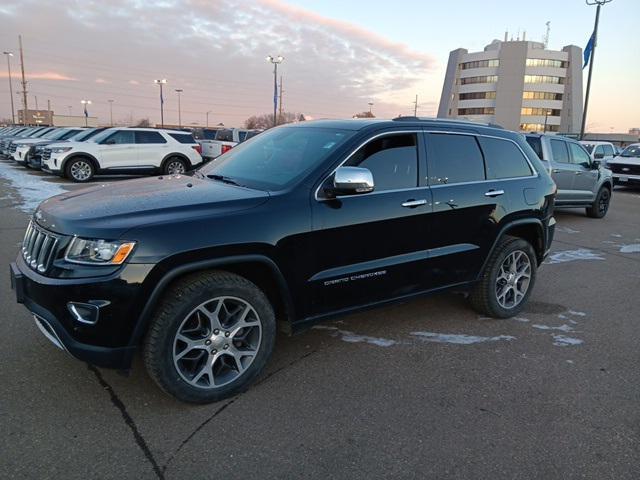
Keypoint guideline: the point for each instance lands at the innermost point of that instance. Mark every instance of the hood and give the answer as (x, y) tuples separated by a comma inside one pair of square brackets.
[(624, 160), (109, 210), (32, 141), (66, 143)]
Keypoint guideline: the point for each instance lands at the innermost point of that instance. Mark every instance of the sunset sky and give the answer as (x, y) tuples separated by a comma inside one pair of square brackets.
[(339, 55)]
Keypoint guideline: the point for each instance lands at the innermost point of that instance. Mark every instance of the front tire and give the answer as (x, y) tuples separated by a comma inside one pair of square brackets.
[(600, 205), (175, 166), (210, 338), (79, 170), (507, 280)]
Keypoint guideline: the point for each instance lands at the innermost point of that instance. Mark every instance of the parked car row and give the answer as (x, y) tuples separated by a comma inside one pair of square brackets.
[(81, 153), (215, 142)]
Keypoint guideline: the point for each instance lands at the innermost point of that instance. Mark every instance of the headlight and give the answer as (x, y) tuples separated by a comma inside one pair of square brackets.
[(18, 145), (60, 149), (98, 252)]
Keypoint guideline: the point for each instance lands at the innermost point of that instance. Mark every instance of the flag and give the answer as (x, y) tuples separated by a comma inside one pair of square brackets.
[(589, 49)]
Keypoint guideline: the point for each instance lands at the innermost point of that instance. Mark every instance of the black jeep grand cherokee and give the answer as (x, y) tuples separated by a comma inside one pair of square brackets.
[(298, 224)]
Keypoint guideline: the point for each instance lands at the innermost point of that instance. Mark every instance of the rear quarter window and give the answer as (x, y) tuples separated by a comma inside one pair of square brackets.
[(503, 159), (224, 135), (536, 144), (183, 137)]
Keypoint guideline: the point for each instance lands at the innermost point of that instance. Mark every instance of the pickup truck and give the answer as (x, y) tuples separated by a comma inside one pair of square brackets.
[(216, 142)]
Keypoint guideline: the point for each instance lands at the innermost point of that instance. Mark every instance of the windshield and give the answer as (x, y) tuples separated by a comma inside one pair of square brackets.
[(52, 134), (631, 151), (276, 158), (41, 133), (101, 136)]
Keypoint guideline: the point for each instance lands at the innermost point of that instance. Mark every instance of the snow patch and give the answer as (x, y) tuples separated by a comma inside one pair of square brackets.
[(32, 188), (564, 341), (616, 235), (576, 313), (351, 337), (566, 230), (521, 319), (562, 328), (573, 255), (458, 339), (633, 248)]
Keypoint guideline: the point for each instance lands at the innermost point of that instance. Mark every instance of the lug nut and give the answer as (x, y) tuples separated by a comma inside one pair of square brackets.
[(226, 346), (226, 334), (214, 351), (216, 331), (208, 342)]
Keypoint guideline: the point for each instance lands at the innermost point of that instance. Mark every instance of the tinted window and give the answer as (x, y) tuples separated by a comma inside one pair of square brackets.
[(143, 136), (608, 151), (121, 137), (278, 157), (536, 144), (599, 150), (182, 137), (242, 136), (503, 159), (578, 155), (209, 134), (251, 135), (454, 159), (224, 135), (559, 151), (392, 160)]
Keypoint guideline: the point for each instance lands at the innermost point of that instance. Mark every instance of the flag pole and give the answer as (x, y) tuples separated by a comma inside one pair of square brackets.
[(591, 58)]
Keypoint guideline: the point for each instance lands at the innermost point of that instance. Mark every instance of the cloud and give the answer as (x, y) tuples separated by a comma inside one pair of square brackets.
[(134, 82), (42, 76), (101, 80)]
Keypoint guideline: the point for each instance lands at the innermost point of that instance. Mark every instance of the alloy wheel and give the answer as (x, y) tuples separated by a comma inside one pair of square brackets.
[(80, 170), (513, 279), (216, 342), (175, 167), (603, 204)]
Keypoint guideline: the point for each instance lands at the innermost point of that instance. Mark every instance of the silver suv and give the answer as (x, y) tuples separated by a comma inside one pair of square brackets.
[(581, 181)]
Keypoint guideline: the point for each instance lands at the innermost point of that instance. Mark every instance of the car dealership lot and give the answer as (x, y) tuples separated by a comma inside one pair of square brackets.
[(424, 389)]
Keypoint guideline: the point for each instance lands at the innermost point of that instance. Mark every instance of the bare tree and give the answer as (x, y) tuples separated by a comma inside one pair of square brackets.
[(364, 115), (143, 122), (265, 120)]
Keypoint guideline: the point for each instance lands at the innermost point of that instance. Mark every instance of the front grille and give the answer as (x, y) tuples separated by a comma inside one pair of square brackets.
[(624, 169), (39, 247), (12, 148), (46, 154)]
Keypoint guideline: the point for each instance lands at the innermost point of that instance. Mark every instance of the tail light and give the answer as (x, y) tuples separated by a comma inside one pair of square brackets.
[(225, 149), (198, 148)]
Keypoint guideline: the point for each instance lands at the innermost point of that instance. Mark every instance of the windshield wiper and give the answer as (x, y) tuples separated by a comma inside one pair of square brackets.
[(222, 178)]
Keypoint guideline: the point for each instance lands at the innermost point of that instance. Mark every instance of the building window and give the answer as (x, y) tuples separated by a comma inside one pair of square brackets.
[(552, 112), (477, 111), (537, 127), (543, 79), (477, 95), (546, 62), (494, 62), (541, 96), (482, 79)]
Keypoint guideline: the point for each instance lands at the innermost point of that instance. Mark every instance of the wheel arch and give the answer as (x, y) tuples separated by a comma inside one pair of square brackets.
[(88, 156), (179, 155), (259, 269), (529, 229)]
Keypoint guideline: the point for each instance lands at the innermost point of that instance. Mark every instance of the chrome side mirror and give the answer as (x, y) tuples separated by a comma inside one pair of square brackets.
[(350, 181)]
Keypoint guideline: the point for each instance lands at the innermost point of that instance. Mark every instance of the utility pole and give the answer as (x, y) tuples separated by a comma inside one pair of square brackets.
[(36, 97), (208, 118), (161, 82), (280, 107), (24, 83), (179, 91), (70, 110), (415, 106), (13, 112), (49, 115), (591, 59), (110, 112)]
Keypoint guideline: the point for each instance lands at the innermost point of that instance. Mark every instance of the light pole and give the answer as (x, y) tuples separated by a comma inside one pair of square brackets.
[(70, 110), (179, 91), (86, 112), (110, 112), (591, 58), (161, 82), (208, 118), (275, 61), (13, 113)]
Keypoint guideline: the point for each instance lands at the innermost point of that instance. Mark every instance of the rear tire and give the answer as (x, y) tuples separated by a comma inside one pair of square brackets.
[(210, 337), (79, 170), (507, 280), (600, 205)]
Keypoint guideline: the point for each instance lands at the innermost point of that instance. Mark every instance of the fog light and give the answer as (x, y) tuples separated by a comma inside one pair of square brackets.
[(86, 313)]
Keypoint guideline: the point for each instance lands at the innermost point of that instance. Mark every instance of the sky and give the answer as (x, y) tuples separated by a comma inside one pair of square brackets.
[(339, 55)]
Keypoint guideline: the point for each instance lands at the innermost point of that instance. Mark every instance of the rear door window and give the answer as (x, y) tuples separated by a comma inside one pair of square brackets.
[(454, 158), (559, 151), (503, 159), (183, 137), (392, 160), (121, 137)]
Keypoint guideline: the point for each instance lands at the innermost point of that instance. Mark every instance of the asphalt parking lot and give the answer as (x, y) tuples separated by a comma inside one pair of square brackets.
[(427, 389)]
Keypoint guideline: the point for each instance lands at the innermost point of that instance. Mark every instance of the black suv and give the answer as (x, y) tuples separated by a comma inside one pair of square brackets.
[(296, 225)]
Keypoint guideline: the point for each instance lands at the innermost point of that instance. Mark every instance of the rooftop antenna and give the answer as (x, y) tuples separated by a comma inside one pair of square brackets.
[(545, 39)]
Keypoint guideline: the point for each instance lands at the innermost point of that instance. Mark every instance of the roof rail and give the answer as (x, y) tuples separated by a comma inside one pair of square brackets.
[(445, 120)]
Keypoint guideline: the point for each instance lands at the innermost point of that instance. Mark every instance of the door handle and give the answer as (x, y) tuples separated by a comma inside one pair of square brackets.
[(414, 203), (494, 193)]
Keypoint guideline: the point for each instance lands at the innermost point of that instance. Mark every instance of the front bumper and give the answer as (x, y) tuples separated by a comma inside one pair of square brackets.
[(622, 179), (108, 342)]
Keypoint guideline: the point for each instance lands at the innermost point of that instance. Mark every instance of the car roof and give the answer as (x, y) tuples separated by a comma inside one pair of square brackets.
[(595, 142)]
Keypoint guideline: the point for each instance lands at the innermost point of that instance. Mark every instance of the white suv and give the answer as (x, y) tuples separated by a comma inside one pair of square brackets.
[(124, 150)]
